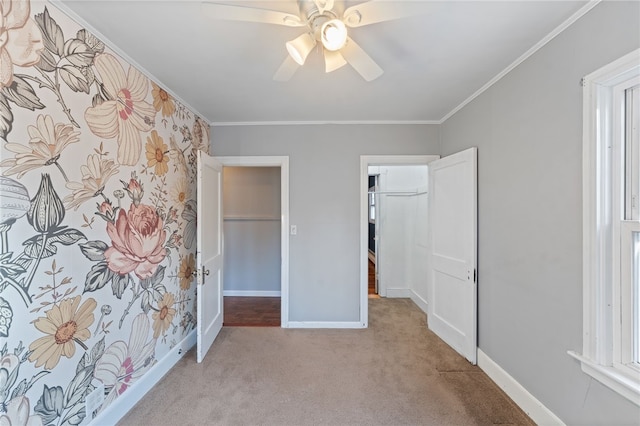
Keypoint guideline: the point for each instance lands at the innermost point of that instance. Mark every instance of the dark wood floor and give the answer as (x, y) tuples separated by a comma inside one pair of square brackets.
[(251, 311), (372, 278), (265, 311)]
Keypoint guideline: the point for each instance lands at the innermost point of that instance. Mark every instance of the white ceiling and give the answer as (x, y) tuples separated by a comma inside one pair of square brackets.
[(433, 61)]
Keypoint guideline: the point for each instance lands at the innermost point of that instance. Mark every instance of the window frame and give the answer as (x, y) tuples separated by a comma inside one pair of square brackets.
[(605, 340)]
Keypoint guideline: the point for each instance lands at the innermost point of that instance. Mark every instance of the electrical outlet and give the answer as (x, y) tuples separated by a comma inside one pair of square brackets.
[(94, 400), (294, 230)]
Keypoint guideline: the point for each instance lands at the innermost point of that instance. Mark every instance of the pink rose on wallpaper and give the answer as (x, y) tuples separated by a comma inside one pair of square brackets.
[(20, 39), (137, 238)]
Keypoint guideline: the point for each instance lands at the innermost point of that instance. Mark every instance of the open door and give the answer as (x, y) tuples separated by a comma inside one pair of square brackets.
[(209, 292), (452, 308)]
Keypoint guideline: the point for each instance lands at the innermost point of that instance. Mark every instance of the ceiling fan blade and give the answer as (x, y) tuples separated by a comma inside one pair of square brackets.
[(375, 11), (333, 60), (286, 70), (360, 61), (250, 14)]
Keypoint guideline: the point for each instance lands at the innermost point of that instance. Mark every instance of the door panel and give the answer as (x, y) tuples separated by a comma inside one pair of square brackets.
[(452, 312), (210, 255)]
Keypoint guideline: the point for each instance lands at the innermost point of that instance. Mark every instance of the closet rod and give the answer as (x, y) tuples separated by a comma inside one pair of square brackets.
[(398, 193)]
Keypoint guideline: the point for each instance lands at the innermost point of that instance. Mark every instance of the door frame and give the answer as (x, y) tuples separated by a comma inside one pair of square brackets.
[(283, 163), (365, 162)]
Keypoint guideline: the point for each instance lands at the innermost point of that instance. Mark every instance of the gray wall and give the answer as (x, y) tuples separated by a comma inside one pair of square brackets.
[(324, 167), (528, 129), (251, 205)]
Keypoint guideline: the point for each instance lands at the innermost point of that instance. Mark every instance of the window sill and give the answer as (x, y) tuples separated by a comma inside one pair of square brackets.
[(627, 385)]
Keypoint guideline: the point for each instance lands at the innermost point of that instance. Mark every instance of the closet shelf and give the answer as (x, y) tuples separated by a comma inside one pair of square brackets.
[(238, 218)]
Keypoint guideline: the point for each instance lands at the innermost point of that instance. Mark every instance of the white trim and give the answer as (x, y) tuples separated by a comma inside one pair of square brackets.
[(125, 402), (326, 324), (601, 168), (626, 385), (559, 29), (322, 122), (540, 414), (83, 23), (251, 293), (398, 293), (418, 300), (365, 162), (283, 163)]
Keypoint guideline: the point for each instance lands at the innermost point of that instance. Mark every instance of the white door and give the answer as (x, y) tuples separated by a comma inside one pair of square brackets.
[(209, 293), (452, 308)]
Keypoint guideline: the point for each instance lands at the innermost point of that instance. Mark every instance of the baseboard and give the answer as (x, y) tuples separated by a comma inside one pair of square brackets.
[(418, 300), (540, 414), (125, 402), (324, 324), (398, 292), (251, 293)]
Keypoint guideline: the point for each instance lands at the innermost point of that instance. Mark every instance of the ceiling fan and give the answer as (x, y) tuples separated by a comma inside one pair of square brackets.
[(325, 26)]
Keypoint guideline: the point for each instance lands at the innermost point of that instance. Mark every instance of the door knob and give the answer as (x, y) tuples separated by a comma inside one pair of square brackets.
[(204, 272)]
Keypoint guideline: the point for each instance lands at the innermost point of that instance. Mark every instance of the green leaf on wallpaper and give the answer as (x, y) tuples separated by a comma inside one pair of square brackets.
[(6, 117), (94, 250), (6, 316), (47, 62), (78, 53), (74, 78), (89, 75), (145, 302), (65, 236), (9, 268), (51, 32), (75, 416), (98, 277), (78, 386), (51, 404), (22, 94), (92, 41), (119, 284), (96, 352)]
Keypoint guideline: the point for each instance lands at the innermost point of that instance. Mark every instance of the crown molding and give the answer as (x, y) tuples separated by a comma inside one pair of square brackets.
[(559, 29), (79, 20), (322, 122)]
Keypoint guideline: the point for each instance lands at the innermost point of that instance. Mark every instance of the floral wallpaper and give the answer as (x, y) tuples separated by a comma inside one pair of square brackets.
[(97, 218)]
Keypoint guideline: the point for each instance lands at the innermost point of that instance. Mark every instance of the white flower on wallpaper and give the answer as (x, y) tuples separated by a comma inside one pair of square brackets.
[(97, 218), (122, 364), (125, 113)]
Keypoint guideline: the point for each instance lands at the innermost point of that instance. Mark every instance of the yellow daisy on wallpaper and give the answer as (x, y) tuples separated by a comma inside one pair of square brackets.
[(187, 267), (157, 153), (180, 191), (163, 317), (162, 100), (64, 325)]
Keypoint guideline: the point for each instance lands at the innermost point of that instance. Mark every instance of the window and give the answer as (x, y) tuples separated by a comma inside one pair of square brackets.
[(372, 197), (611, 226)]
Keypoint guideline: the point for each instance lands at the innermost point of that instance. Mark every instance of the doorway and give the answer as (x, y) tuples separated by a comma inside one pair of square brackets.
[(400, 187), (255, 273)]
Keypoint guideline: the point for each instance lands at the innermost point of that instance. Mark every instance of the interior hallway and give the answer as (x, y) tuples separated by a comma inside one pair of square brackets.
[(396, 372)]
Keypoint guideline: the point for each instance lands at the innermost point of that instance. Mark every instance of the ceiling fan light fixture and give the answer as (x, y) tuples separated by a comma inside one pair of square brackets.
[(300, 47), (333, 34)]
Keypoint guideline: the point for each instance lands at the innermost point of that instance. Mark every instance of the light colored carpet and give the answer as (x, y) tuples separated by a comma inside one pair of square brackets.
[(396, 372)]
